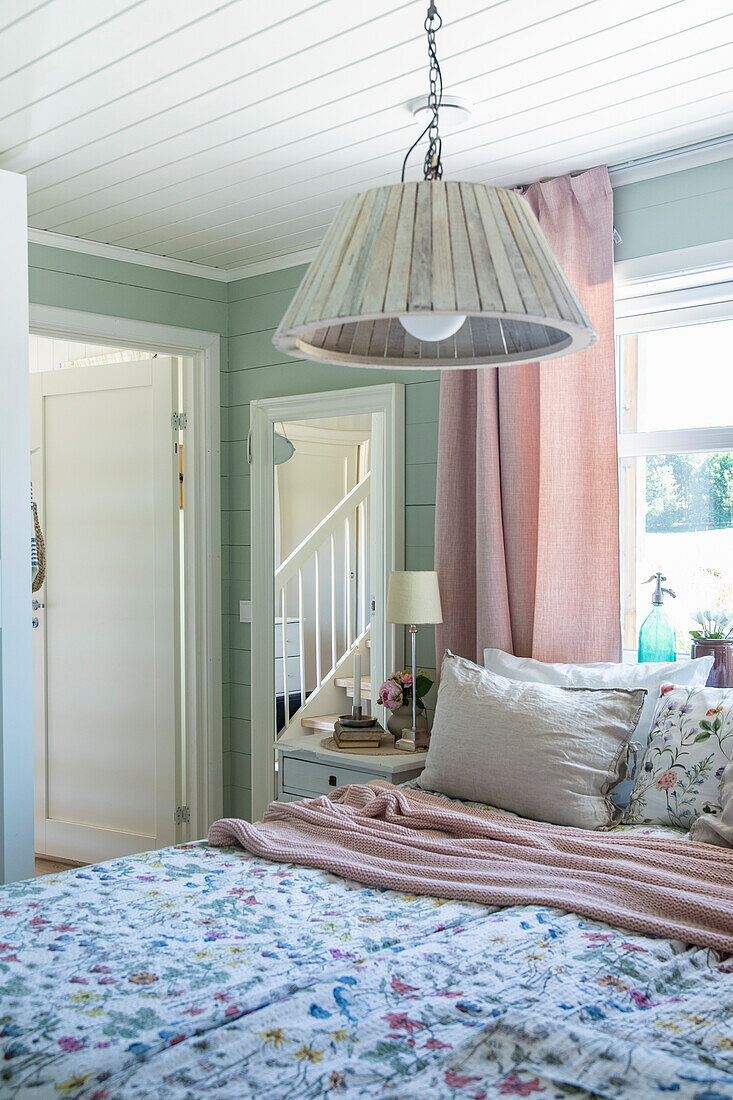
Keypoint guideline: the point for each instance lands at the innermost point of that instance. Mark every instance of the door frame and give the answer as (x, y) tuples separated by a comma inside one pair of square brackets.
[(388, 401), (202, 532)]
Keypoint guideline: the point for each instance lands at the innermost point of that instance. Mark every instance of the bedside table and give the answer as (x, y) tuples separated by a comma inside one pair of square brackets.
[(306, 770)]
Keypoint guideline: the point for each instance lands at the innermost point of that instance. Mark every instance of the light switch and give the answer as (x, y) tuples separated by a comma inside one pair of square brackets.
[(245, 611)]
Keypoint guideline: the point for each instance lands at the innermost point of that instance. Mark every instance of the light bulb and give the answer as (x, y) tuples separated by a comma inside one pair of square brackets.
[(432, 326)]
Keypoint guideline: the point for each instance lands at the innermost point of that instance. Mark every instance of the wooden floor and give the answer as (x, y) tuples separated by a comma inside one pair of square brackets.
[(52, 866)]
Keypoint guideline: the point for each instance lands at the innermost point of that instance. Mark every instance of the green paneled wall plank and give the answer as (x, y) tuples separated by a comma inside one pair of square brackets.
[(242, 803), (234, 462), (239, 530), (419, 525), (419, 557), (272, 282), (238, 422), (57, 288), (239, 802), (237, 769), (240, 737), (420, 483), (237, 490), (422, 403), (240, 563), (239, 701), (256, 314), (239, 667), (240, 634), (119, 271), (255, 350), (421, 443), (297, 376)]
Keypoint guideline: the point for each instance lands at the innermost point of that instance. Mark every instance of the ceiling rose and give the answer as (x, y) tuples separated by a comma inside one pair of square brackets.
[(434, 274)]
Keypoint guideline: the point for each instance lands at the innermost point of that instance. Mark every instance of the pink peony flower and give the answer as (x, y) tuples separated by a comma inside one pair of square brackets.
[(407, 679), (390, 695), (665, 781)]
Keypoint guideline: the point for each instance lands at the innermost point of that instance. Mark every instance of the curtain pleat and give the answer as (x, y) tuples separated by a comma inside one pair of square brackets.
[(526, 529)]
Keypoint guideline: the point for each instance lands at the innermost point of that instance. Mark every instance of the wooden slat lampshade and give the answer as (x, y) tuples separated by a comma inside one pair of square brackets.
[(434, 248)]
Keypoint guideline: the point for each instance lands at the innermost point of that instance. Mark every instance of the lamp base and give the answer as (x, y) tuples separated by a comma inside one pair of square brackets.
[(413, 740)]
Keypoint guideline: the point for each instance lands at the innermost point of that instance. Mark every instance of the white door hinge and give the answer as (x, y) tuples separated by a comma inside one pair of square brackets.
[(183, 815), (179, 421)]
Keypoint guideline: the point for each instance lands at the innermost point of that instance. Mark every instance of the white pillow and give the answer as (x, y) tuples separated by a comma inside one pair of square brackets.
[(650, 676), (545, 752)]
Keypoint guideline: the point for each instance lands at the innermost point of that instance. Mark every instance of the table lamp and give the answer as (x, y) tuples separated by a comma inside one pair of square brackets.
[(413, 597)]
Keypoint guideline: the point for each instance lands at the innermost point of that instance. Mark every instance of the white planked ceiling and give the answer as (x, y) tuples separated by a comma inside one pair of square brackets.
[(228, 132)]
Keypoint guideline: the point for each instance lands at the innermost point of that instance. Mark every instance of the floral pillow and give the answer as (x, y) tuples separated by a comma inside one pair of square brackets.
[(690, 743)]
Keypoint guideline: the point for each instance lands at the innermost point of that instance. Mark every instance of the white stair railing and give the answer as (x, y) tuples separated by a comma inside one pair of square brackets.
[(340, 532)]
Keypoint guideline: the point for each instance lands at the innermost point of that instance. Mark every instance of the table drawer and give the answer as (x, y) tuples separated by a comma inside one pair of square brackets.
[(306, 777)]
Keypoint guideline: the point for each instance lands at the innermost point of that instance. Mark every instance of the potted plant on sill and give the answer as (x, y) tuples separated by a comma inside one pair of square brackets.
[(396, 695), (715, 638)]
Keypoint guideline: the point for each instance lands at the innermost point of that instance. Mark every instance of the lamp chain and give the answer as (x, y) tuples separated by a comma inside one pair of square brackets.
[(433, 166)]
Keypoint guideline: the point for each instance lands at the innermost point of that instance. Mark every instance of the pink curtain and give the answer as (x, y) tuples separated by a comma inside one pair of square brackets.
[(526, 527)]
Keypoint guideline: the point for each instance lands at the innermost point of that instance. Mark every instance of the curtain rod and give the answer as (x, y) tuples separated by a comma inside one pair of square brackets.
[(670, 154), (634, 169)]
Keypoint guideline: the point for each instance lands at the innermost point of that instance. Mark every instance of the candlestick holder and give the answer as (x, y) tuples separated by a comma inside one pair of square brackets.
[(357, 720)]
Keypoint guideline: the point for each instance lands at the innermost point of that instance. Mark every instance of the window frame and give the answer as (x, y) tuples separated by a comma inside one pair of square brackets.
[(651, 294)]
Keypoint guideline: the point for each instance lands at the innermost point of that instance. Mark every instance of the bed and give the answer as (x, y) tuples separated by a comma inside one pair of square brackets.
[(199, 971)]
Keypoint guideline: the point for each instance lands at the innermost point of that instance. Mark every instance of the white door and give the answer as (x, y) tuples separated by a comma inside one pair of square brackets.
[(105, 478)]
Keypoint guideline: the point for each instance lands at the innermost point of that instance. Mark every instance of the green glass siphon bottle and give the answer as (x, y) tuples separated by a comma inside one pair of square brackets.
[(657, 634)]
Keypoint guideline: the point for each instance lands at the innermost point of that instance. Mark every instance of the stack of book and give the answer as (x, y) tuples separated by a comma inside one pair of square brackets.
[(358, 737)]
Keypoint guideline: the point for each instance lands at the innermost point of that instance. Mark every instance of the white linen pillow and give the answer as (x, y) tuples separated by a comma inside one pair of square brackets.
[(650, 676), (690, 746), (546, 752)]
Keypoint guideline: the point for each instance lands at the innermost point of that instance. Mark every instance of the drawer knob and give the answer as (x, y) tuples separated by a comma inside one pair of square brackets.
[(332, 781)]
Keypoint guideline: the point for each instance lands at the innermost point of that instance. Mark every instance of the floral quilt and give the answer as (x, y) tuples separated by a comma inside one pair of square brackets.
[(195, 972)]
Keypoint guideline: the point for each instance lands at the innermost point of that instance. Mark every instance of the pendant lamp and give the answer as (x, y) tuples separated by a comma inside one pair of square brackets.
[(434, 274)]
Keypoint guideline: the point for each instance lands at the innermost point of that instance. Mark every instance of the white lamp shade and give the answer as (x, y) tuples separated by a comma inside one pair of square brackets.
[(414, 597)]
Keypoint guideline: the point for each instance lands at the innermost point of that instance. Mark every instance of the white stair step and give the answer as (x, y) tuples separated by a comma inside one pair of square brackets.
[(323, 723), (348, 683)]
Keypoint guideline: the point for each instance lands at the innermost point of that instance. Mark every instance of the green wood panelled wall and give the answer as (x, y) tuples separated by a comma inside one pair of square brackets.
[(674, 211), (59, 277)]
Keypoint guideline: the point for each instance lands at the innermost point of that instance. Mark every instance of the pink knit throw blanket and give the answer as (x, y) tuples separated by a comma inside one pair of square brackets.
[(381, 835)]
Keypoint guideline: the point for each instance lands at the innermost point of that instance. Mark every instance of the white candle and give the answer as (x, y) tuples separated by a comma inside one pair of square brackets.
[(357, 677)]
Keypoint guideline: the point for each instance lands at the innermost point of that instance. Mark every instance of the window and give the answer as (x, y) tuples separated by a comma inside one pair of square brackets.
[(675, 371)]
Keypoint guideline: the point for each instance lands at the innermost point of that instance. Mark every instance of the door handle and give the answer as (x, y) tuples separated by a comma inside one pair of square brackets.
[(37, 605)]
